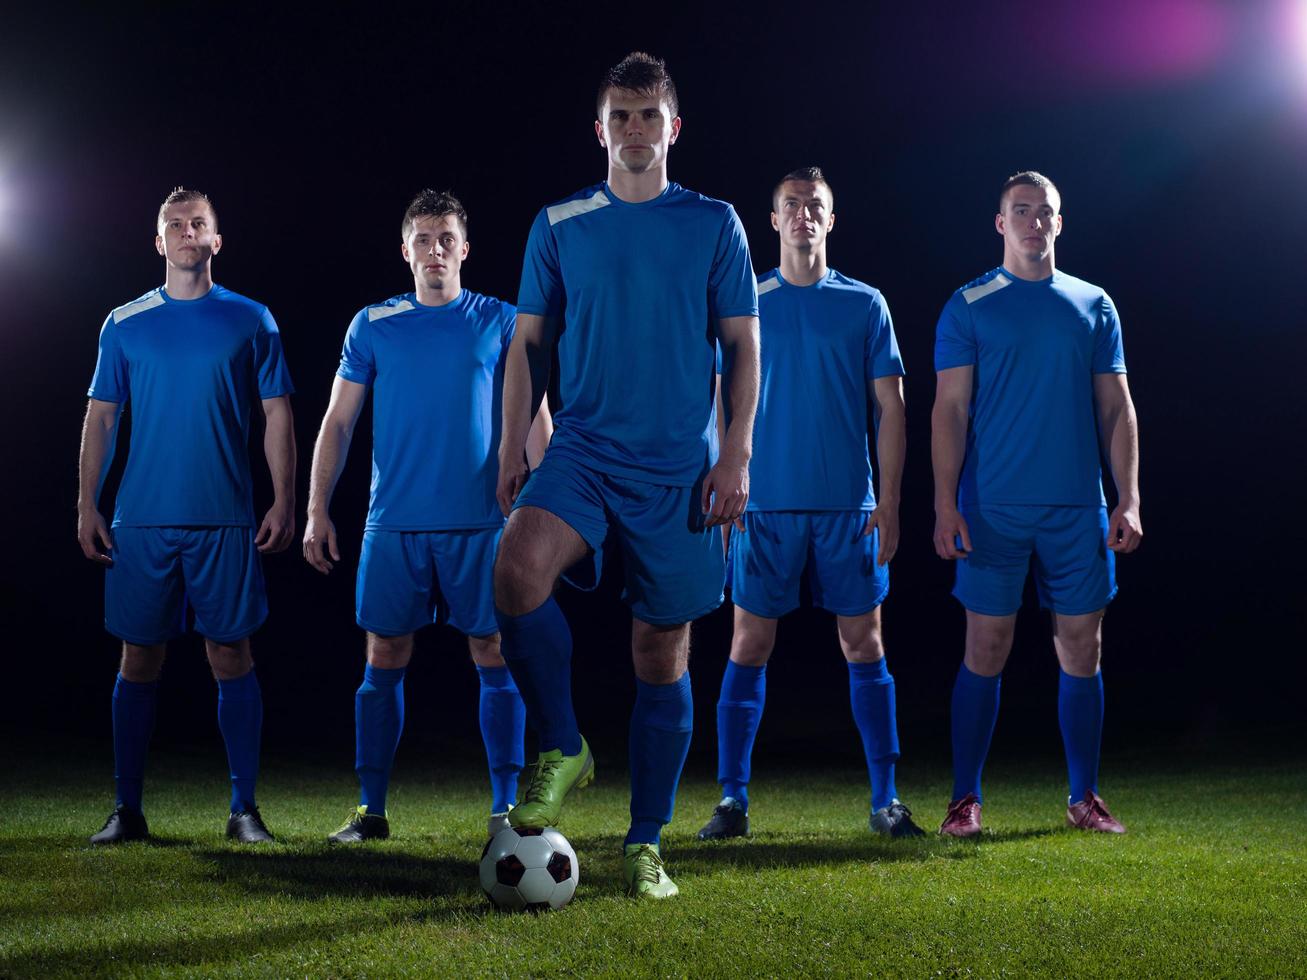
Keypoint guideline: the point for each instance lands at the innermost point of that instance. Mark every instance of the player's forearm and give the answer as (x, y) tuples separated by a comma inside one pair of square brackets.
[(891, 451), (740, 384), (98, 432), (948, 446), (1121, 434), (329, 453), (279, 450), (526, 376)]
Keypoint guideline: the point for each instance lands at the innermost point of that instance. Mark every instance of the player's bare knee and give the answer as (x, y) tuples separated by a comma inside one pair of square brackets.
[(753, 639), (867, 650), (484, 650), (229, 660), (142, 664), (660, 654), (860, 637), (987, 649), (522, 578), (390, 652)]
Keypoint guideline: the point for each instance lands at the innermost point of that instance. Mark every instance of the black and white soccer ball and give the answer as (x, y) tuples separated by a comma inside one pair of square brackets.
[(529, 869)]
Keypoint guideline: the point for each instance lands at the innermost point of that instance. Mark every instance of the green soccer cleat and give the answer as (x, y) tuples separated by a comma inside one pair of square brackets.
[(642, 867), (555, 776), (361, 826)]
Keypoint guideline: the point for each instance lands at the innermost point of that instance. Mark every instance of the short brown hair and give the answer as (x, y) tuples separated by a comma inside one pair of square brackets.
[(813, 174), (433, 204), (182, 195), (643, 73), (1031, 178)]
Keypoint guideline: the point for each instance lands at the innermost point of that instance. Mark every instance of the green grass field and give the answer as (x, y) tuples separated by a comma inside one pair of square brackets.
[(1211, 880)]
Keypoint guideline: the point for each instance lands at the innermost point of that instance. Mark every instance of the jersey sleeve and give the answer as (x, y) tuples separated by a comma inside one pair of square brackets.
[(357, 362), (270, 359), (732, 287), (1109, 355), (507, 323), (541, 290), (882, 356), (111, 382), (955, 336)]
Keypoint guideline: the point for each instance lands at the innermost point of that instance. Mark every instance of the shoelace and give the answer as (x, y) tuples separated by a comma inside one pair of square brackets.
[(959, 808), (545, 769), (648, 865)]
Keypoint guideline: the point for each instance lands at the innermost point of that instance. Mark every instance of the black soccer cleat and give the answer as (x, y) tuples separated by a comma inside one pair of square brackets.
[(894, 820), (361, 826), (123, 825), (247, 827), (729, 819)]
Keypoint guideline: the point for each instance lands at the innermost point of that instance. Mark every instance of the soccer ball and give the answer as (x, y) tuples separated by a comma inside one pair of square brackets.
[(527, 868)]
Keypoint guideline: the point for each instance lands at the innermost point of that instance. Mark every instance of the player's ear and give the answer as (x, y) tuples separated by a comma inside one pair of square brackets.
[(158, 245), (676, 129), (775, 222), (467, 246), (217, 245), (998, 223), (599, 132), (830, 223), (403, 250), (1057, 226)]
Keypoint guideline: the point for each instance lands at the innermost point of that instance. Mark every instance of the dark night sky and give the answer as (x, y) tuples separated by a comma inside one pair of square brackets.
[(1176, 130)]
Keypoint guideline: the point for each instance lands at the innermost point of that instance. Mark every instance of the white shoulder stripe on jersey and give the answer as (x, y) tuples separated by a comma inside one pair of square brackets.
[(980, 292), (561, 212), (381, 312), (766, 287), (140, 306)]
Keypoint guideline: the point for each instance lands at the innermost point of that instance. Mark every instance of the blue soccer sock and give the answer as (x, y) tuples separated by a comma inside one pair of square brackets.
[(661, 726), (240, 719), (133, 724), (378, 722), (871, 695), (1080, 715), (503, 724), (975, 710), (739, 713), (537, 646)]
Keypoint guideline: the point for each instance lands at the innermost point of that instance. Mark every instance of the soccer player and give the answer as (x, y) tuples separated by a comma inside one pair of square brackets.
[(635, 279), (1031, 377), (434, 358), (828, 349), (188, 359)]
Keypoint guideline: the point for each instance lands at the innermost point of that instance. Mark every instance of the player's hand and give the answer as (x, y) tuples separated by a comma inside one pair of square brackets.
[(277, 529), (94, 537), (884, 518), (512, 478), (1124, 531), (726, 492), (320, 532), (950, 527)]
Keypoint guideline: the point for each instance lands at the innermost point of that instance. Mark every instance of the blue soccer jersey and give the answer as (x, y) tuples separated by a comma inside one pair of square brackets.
[(436, 374), (1035, 347), (821, 344), (189, 371), (640, 288)]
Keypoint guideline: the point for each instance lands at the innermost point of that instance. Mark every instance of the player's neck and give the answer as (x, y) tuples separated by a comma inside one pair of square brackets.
[(803, 267), (1030, 269), (637, 188), (446, 294), (187, 283)]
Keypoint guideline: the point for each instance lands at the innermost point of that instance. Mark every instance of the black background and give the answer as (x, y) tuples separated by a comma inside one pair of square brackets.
[(1176, 131)]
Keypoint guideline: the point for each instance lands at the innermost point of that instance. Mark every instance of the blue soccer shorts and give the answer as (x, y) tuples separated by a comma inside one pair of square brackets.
[(1075, 573), (778, 548), (408, 579), (158, 571), (675, 569)]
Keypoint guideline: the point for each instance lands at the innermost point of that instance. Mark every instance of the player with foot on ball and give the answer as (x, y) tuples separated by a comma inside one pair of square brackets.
[(191, 358), (1031, 377), (828, 352), (635, 279), (434, 359)]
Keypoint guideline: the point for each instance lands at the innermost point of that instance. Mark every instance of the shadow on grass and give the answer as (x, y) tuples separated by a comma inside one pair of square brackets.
[(345, 873), (108, 958)]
